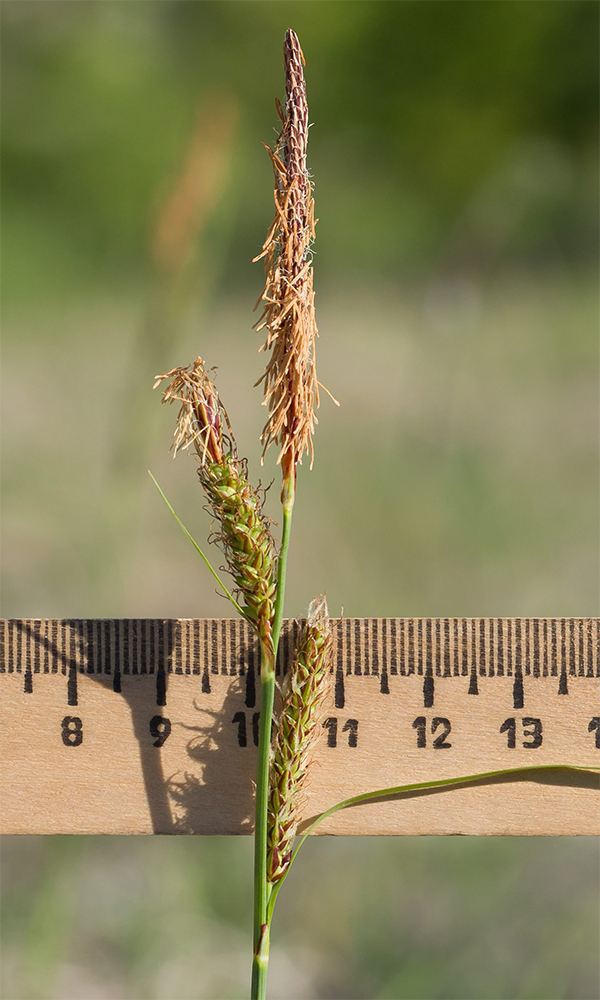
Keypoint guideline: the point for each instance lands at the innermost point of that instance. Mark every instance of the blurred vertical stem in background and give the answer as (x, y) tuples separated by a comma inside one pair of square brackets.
[(189, 201), (177, 239), (291, 394)]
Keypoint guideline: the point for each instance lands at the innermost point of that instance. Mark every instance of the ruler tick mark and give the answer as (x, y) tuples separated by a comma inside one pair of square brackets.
[(393, 647), (428, 691), (340, 694), (250, 699), (72, 685), (518, 695), (553, 650), (384, 686), (357, 648), (373, 635)]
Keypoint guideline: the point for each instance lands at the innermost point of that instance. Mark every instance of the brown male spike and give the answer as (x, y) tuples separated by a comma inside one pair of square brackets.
[(290, 378)]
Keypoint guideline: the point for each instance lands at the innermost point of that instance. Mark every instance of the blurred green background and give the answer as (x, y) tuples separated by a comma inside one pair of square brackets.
[(454, 156)]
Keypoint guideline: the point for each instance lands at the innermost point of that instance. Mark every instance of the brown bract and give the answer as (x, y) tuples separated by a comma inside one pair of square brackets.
[(290, 379)]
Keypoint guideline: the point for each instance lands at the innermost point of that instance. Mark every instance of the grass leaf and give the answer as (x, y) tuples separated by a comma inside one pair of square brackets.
[(199, 551)]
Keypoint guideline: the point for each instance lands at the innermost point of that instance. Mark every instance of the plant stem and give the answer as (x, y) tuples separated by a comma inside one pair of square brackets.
[(260, 965), (287, 498), (262, 888)]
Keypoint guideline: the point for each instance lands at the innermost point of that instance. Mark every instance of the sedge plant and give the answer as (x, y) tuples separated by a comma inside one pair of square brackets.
[(291, 394), (258, 569)]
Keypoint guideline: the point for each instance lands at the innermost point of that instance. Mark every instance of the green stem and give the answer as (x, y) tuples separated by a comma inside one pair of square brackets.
[(262, 888), (260, 964), (288, 496)]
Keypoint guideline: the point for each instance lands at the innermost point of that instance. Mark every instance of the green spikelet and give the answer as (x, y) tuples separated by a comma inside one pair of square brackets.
[(245, 537), (296, 734), (235, 504)]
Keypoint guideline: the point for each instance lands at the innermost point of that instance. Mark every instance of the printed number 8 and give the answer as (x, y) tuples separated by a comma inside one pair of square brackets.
[(72, 731)]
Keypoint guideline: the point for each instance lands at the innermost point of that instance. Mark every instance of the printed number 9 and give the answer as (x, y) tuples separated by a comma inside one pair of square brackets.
[(160, 729)]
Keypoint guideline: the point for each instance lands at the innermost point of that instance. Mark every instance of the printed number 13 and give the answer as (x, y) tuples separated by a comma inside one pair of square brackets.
[(531, 727)]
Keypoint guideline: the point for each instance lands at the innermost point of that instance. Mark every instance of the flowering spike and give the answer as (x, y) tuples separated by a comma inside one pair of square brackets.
[(290, 378), (244, 533), (308, 683)]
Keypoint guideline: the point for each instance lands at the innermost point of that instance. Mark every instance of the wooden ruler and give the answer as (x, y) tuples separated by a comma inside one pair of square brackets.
[(150, 726)]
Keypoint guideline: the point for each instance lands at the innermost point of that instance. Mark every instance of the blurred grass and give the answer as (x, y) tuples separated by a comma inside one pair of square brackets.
[(399, 919), (455, 163), (458, 477)]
